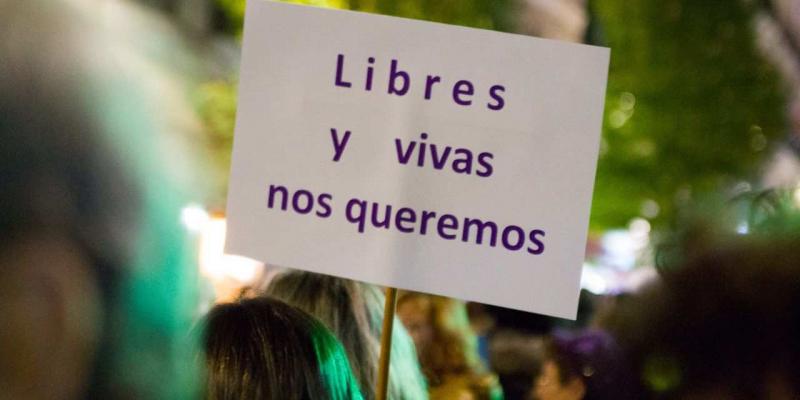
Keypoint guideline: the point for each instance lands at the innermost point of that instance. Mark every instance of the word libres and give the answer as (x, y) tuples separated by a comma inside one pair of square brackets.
[(399, 83)]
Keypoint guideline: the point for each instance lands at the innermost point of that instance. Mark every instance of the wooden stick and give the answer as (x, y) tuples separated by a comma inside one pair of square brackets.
[(386, 343)]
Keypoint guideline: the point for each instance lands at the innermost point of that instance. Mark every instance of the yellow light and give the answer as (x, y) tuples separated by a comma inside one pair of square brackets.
[(218, 266)]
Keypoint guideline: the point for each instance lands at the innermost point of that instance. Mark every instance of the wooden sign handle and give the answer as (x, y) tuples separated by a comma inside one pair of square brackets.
[(386, 343)]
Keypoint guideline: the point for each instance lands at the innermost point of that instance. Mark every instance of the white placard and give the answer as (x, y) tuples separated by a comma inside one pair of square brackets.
[(416, 155)]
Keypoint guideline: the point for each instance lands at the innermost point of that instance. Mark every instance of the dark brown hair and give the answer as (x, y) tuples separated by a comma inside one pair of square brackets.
[(264, 349), (593, 357), (726, 322)]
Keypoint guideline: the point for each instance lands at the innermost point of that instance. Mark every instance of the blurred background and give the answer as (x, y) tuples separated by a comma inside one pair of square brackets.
[(703, 103)]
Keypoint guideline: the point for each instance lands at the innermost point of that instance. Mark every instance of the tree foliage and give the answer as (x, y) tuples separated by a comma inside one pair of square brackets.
[(487, 14), (692, 106)]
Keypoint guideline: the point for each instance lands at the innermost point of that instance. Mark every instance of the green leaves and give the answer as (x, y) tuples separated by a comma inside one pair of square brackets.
[(692, 106)]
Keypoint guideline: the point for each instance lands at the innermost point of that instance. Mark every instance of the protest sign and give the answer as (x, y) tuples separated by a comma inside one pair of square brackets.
[(416, 155)]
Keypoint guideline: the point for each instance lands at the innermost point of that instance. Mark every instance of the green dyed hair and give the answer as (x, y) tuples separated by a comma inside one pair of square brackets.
[(265, 349), (354, 312)]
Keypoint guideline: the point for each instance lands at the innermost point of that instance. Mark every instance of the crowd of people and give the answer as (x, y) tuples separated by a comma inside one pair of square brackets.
[(96, 300)]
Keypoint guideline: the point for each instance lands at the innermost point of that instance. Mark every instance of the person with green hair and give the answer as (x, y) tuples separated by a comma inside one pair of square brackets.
[(264, 349), (354, 312)]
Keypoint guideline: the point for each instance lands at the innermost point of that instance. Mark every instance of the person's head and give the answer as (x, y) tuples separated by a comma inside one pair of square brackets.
[(724, 323), (416, 312), (445, 342), (65, 210), (78, 233), (587, 365), (354, 312), (264, 349)]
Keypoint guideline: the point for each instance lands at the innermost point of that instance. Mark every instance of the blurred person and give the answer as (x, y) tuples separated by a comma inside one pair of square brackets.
[(95, 299), (587, 365), (516, 357), (447, 347), (516, 344), (264, 349), (354, 312), (722, 324), (722, 321)]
